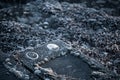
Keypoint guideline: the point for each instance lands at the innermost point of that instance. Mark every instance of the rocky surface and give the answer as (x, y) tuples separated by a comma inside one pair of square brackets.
[(92, 28)]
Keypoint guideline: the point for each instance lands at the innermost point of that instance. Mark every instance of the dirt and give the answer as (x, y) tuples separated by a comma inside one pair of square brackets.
[(91, 27)]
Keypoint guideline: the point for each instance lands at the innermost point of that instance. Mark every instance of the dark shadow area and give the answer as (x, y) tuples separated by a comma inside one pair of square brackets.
[(70, 66), (5, 74), (111, 7), (14, 1), (9, 3)]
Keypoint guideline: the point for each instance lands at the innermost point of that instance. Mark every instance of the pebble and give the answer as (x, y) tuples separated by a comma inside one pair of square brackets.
[(53, 47), (36, 68), (46, 23), (69, 47), (46, 59), (26, 77), (37, 72), (39, 63), (92, 20), (7, 59), (42, 62), (76, 54), (19, 74), (29, 48), (47, 79), (45, 27), (105, 53), (97, 74), (109, 63), (47, 70), (9, 63)]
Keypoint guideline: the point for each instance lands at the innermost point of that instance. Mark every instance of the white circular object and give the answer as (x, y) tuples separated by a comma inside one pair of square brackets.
[(32, 55), (53, 47)]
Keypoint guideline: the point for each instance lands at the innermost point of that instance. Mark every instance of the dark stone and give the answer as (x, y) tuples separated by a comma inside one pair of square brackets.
[(70, 66)]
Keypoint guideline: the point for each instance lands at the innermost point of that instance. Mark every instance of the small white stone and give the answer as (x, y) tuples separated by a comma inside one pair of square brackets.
[(69, 46), (109, 63), (26, 77), (45, 27), (46, 23), (37, 72), (9, 63), (39, 63), (105, 53), (7, 59), (42, 62), (47, 79), (46, 59), (36, 68), (84, 46), (76, 54), (98, 73), (30, 48), (19, 74), (53, 47)]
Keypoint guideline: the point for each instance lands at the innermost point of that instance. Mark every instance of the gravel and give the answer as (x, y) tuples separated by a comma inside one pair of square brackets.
[(91, 27)]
